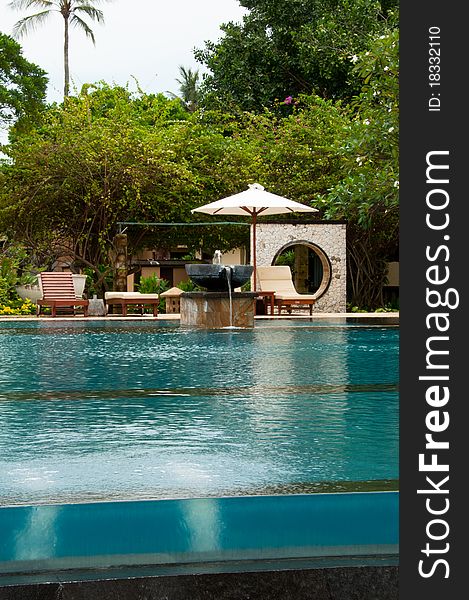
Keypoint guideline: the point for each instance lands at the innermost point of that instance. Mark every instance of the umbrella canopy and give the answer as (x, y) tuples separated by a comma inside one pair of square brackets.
[(254, 201)]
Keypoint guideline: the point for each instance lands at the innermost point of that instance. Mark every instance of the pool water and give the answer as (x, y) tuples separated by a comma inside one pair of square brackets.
[(73, 541), (137, 410)]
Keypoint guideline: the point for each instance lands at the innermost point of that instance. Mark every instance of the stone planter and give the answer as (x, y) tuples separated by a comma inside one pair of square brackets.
[(33, 292)]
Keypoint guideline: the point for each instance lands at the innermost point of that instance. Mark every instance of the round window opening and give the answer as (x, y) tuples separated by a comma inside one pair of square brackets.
[(309, 265)]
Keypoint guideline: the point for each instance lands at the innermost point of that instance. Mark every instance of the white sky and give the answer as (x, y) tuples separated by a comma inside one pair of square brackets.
[(145, 39)]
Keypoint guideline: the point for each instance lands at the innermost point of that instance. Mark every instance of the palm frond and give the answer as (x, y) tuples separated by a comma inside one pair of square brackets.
[(21, 4), (94, 13), (77, 22), (27, 24), (90, 2)]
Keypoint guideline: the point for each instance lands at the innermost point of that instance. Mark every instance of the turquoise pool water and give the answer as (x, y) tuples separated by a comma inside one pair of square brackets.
[(197, 535), (137, 410)]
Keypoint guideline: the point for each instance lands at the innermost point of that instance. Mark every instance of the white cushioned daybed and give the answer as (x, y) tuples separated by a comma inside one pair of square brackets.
[(125, 299)]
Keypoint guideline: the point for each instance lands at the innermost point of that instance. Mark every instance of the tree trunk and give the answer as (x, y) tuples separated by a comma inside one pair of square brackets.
[(120, 263), (66, 66), (366, 275)]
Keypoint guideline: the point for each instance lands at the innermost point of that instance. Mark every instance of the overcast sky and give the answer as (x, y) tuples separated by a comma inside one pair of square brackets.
[(145, 39)]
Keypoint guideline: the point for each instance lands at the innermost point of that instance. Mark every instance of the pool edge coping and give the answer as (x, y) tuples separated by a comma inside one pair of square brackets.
[(176, 317)]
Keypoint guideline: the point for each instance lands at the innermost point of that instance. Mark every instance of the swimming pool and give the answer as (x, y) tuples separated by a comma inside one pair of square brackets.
[(115, 410)]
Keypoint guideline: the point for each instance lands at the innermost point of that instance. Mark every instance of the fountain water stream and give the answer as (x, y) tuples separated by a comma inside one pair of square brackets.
[(228, 279), (216, 260)]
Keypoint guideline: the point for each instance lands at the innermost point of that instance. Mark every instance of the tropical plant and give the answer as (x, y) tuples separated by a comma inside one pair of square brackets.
[(22, 86), (17, 306), (71, 12), (154, 285), (189, 286), (98, 280), (15, 270), (286, 258), (188, 87)]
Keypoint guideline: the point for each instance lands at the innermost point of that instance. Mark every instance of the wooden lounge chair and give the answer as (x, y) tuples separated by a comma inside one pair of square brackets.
[(57, 291), (279, 280), (124, 299)]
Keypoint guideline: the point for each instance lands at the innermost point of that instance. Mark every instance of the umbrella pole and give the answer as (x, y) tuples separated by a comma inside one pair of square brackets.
[(254, 219)]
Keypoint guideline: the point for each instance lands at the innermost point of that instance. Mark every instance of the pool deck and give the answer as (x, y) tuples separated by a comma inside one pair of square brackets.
[(385, 317)]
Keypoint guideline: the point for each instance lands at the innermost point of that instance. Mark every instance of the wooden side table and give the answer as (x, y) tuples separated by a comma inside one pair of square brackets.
[(269, 300)]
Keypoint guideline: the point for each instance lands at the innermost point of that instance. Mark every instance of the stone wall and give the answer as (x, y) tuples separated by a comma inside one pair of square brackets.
[(329, 242), (213, 310), (333, 583)]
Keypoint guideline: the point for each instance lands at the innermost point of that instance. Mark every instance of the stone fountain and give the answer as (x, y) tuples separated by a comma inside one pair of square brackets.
[(219, 306)]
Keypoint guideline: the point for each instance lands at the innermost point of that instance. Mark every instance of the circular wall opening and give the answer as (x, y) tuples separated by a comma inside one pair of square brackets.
[(309, 264)]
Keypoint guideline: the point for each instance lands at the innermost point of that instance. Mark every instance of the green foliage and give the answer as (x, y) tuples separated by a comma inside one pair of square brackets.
[(356, 309), (98, 159), (15, 270), (8, 279), (16, 306), (287, 258), (283, 49), (295, 156), (22, 87), (390, 307), (71, 10), (98, 280), (154, 285), (367, 195), (189, 88), (189, 286)]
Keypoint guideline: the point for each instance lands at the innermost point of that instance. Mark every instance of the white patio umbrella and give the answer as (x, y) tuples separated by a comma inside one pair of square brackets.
[(254, 201)]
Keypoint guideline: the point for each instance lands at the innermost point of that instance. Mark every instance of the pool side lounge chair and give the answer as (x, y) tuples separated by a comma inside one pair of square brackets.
[(58, 290), (279, 280), (125, 299)]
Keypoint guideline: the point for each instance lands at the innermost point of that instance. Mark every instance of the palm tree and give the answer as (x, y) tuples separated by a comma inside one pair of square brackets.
[(188, 86), (70, 11)]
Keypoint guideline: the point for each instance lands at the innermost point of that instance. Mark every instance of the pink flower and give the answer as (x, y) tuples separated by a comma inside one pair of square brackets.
[(288, 100)]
